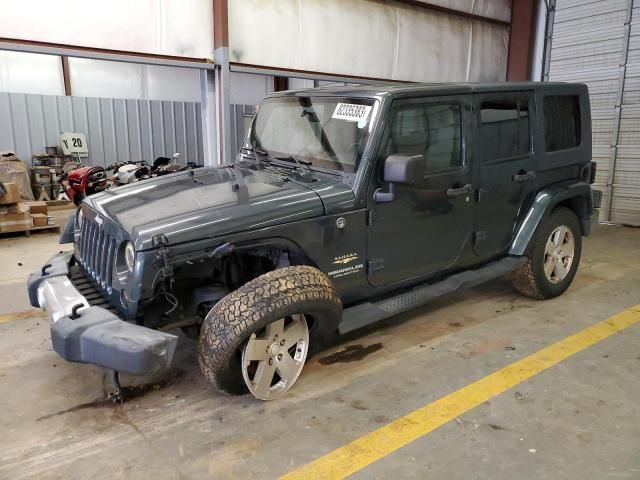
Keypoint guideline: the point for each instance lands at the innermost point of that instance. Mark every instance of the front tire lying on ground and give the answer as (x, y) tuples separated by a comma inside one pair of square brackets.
[(552, 258), (257, 338)]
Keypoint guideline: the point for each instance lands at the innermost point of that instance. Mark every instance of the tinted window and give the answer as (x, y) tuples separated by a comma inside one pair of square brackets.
[(504, 129), (561, 122), (433, 131)]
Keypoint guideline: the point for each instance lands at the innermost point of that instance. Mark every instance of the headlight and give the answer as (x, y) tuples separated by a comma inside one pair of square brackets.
[(129, 256), (79, 219)]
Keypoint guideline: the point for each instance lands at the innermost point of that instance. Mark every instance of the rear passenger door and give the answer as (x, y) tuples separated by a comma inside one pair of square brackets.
[(504, 168)]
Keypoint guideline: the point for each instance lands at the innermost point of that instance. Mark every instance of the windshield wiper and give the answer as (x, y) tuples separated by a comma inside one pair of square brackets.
[(302, 165), (257, 151), (291, 158)]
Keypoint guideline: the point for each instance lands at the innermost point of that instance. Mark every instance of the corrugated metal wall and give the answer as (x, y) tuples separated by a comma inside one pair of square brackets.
[(116, 130), (598, 43)]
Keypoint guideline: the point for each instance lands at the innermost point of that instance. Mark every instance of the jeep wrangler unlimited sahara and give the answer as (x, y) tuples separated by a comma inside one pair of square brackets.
[(345, 206)]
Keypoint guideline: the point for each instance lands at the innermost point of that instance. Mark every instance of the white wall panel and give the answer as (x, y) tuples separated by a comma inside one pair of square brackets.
[(388, 40), (30, 73), (168, 27), (171, 83), (97, 78), (100, 78), (495, 9), (248, 89)]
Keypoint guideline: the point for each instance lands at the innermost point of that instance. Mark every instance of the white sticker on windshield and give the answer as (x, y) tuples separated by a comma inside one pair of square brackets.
[(352, 113)]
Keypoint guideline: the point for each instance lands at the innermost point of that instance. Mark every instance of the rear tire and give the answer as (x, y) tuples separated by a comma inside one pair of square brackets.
[(254, 312), (552, 258)]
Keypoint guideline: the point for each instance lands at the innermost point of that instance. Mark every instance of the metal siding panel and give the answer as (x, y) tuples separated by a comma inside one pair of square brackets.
[(80, 121), (52, 122), (115, 130), (169, 128), (593, 43), (65, 114), (192, 132), (180, 129), (36, 124), (121, 129), (94, 132), (21, 131), (133, 128), (108, 131), (6, 123), (198, 136), (157, 128), (146, 128)]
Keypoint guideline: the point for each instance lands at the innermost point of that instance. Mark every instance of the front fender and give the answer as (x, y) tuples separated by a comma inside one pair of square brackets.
[(580, 195)]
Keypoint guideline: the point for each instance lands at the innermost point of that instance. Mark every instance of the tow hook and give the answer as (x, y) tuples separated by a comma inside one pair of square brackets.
[(115, 395)]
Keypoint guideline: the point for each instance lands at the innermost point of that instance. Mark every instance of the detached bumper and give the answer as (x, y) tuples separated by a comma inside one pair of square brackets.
[(90, 334)]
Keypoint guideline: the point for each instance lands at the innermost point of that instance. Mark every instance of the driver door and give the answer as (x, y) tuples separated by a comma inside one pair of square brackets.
[(425, 228)]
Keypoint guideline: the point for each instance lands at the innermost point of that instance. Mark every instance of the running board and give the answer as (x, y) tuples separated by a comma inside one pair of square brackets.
[(367, 313)]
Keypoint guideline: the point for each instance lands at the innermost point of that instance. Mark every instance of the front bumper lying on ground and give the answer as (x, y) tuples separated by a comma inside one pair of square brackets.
[(92, 334)]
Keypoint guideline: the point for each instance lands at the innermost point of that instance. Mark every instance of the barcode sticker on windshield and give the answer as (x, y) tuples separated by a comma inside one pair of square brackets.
[(352, 113)]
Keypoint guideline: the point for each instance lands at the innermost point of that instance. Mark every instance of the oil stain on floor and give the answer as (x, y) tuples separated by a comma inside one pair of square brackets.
[(350, 353)]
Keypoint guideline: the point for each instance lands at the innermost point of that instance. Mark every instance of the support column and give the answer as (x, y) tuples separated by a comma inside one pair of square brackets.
[(226, 151), (208, 118), (521, 40)]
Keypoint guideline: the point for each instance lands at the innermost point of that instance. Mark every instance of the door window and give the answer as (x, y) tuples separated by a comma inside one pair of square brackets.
[(434, 131), (504, 129)]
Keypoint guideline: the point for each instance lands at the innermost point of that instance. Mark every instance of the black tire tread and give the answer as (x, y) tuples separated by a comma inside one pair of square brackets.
[(527, 279), (274, 295)]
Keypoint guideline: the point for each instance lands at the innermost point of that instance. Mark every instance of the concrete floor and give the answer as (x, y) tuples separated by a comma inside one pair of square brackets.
[(578, 420)]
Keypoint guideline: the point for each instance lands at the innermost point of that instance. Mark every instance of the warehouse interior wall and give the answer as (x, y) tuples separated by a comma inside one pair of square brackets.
[(166, 27), (332, 36), (115, 129), (598, 43)]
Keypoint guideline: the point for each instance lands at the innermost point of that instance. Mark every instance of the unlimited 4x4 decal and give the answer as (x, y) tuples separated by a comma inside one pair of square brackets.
[(346, 270)]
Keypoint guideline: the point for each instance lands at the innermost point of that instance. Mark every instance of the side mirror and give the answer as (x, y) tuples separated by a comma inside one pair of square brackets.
[(402, 169)]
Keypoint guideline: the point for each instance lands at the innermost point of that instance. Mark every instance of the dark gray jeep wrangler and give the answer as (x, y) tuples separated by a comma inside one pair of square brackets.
[(345, 206)]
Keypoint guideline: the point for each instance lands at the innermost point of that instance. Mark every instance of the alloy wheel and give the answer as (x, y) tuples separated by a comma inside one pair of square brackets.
[(558, 254), (273, 358)]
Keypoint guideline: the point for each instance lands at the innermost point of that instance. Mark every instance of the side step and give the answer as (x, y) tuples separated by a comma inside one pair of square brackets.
[(367, 313)]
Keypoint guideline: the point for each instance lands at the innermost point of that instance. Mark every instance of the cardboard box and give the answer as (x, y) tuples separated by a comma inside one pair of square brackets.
[(15, 222), (12, 195), (38, 207), (14, 208), (40, 219)]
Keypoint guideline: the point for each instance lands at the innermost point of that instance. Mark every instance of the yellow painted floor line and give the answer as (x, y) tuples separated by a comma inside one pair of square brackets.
[(12, 317), (373, 446)]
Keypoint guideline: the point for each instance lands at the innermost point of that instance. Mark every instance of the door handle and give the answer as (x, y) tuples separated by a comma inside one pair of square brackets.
[(523, 176), (456, 192)]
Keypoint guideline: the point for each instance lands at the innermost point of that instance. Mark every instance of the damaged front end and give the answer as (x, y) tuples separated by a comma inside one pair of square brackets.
[(86, 328)]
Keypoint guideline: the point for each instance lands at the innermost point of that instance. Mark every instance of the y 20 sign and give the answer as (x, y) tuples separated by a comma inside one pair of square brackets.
[(73, 143)]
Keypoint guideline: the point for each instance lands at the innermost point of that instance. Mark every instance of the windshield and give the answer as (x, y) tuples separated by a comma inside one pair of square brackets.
[(322, 131)]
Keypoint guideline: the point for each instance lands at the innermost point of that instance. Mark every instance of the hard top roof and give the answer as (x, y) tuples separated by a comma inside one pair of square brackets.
[(413, 89)]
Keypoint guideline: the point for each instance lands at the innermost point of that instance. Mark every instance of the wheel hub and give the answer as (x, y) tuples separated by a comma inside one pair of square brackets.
[(273, 350)]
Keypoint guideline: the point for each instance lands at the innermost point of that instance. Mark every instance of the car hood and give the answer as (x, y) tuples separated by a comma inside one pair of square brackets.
[(210, 202)]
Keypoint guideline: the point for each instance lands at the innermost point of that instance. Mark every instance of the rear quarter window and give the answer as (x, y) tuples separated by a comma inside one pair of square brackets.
[(562, 129)]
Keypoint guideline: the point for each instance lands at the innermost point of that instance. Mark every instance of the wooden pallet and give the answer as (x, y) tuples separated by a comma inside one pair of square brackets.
[(52, 229)]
